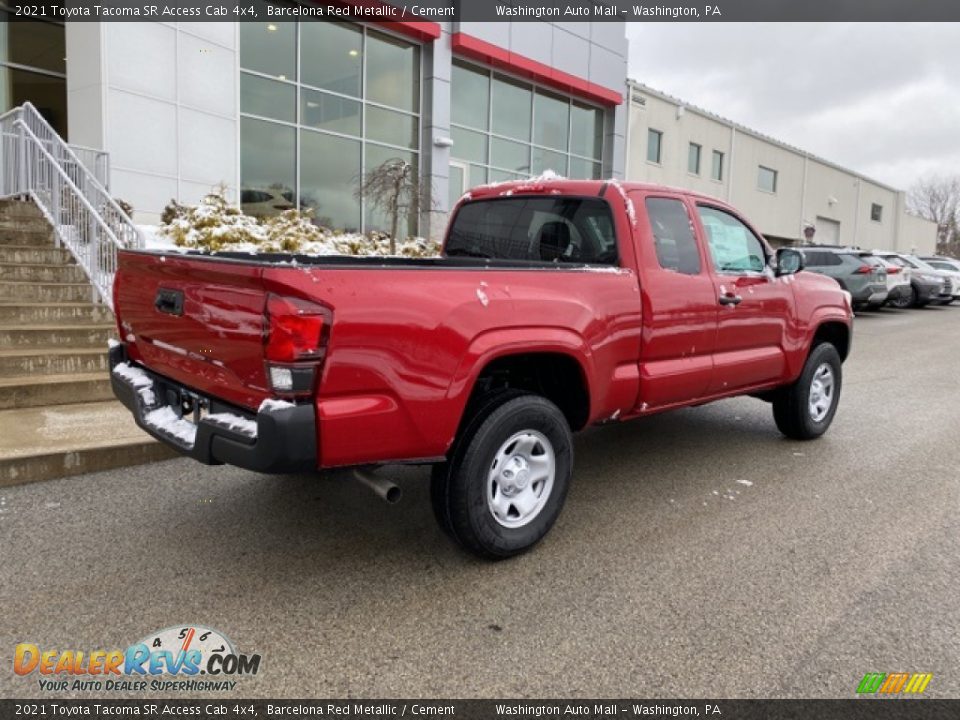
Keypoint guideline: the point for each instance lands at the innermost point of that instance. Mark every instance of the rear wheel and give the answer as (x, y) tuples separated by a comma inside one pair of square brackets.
[(507, 478), (805, 409)]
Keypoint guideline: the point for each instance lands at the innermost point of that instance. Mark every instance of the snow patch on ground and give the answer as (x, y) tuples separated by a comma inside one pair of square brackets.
[(745, 482), (155, 240), (234, 422)]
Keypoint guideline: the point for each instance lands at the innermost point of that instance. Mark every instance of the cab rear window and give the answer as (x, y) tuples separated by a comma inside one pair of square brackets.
[(560, 230)]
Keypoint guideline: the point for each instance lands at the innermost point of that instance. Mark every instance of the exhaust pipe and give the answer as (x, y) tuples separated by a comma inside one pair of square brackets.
[(385, 489)]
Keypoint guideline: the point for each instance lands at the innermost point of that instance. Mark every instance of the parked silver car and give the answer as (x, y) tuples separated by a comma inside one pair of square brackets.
[(927, 285)]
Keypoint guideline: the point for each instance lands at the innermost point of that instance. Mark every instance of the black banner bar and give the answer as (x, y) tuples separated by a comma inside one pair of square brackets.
[(181, 709), (492, 10)]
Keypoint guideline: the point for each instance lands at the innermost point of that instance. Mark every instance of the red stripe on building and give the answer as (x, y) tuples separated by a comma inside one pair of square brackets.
[(476, 49)]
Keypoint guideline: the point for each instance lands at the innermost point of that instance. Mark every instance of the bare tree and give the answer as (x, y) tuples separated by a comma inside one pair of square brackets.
[(394, 188), (938, 199)]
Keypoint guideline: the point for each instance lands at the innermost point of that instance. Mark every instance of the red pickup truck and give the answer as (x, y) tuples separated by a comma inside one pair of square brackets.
[(555, 305)]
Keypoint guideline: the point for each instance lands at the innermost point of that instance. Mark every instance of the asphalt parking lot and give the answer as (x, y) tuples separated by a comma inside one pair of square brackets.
[(699, 554)]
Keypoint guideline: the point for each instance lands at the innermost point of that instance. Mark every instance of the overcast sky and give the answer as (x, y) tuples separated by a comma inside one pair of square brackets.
[(879, 98)]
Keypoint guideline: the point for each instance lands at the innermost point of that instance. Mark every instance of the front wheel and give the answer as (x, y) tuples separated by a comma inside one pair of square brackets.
[(805, 409), (505, 484)]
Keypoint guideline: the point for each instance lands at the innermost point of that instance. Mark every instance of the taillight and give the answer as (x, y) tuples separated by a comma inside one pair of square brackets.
[(295, 342), (892, 270), (863, 270)]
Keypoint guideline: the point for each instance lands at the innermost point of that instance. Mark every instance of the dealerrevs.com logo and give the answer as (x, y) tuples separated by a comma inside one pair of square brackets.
[(190, 658)]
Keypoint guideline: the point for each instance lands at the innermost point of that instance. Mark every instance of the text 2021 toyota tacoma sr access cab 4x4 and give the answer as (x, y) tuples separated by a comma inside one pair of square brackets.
[(555, 305)]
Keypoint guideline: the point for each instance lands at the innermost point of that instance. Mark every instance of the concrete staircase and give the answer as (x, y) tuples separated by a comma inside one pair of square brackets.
[(57, 413)]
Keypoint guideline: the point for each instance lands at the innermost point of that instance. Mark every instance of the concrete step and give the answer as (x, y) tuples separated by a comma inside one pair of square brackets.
[(24, 224), (27, 292), (43, 443), (34, 238), (71, 336), (35, 255), (14, 313), (19, 392), (19, 209), (31, 362), (42, 273)]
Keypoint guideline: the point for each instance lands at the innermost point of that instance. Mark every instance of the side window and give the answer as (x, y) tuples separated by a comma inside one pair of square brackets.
[(673, 237), (813, 258), (733, 246)]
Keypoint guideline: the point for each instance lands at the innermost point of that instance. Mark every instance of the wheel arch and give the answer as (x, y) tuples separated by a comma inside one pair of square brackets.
[(556, 367), (835, 332)]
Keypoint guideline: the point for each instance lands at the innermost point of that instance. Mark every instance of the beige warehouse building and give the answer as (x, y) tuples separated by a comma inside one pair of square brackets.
[(780, 188)]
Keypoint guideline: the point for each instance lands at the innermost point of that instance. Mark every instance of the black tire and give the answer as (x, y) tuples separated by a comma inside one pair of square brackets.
[(913, 300), (791, 408), (902, 302), (476, 412), (459, 487)]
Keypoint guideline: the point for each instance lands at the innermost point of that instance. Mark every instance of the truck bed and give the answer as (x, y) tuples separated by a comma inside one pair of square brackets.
[(404, 346)]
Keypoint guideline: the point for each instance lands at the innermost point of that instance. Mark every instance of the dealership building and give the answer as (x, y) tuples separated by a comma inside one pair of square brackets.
[(783, 190), (291, 114)]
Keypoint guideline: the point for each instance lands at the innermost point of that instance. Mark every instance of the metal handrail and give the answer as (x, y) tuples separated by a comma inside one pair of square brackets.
[(78, 225), (86, 181)]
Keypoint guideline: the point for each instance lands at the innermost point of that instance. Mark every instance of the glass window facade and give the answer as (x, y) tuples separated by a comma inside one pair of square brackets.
[(507, 129), (321, 104), (33, 68)]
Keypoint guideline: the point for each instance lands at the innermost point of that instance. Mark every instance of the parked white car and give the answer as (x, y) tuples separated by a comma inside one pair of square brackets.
[(898, 279), (947, 265)]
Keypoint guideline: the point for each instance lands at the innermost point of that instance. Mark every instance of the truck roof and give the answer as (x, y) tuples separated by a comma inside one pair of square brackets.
[(547, 183)]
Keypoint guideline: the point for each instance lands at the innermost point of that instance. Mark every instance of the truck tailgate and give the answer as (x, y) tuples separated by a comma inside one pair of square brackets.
[(196, 321)]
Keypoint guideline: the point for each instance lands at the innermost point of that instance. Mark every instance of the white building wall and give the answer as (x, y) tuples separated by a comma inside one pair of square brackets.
[(917, 235), (777, 213), (810, 191), (166, 96)]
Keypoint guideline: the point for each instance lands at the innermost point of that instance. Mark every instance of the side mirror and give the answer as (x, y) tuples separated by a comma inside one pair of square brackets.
[(789, 261)]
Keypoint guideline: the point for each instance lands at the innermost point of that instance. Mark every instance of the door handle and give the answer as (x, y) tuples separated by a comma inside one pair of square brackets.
[(730, 299)]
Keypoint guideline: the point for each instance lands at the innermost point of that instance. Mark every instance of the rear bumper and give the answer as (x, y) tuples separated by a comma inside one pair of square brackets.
[(277, 439), (870, 294), (899, 291)]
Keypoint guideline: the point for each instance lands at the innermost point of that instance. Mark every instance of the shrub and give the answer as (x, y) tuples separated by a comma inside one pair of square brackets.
[(126, 207), (216, 225), (172, 211)]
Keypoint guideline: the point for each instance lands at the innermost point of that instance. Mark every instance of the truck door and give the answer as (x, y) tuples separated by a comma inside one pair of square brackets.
[(754, 305), (679, 304)]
